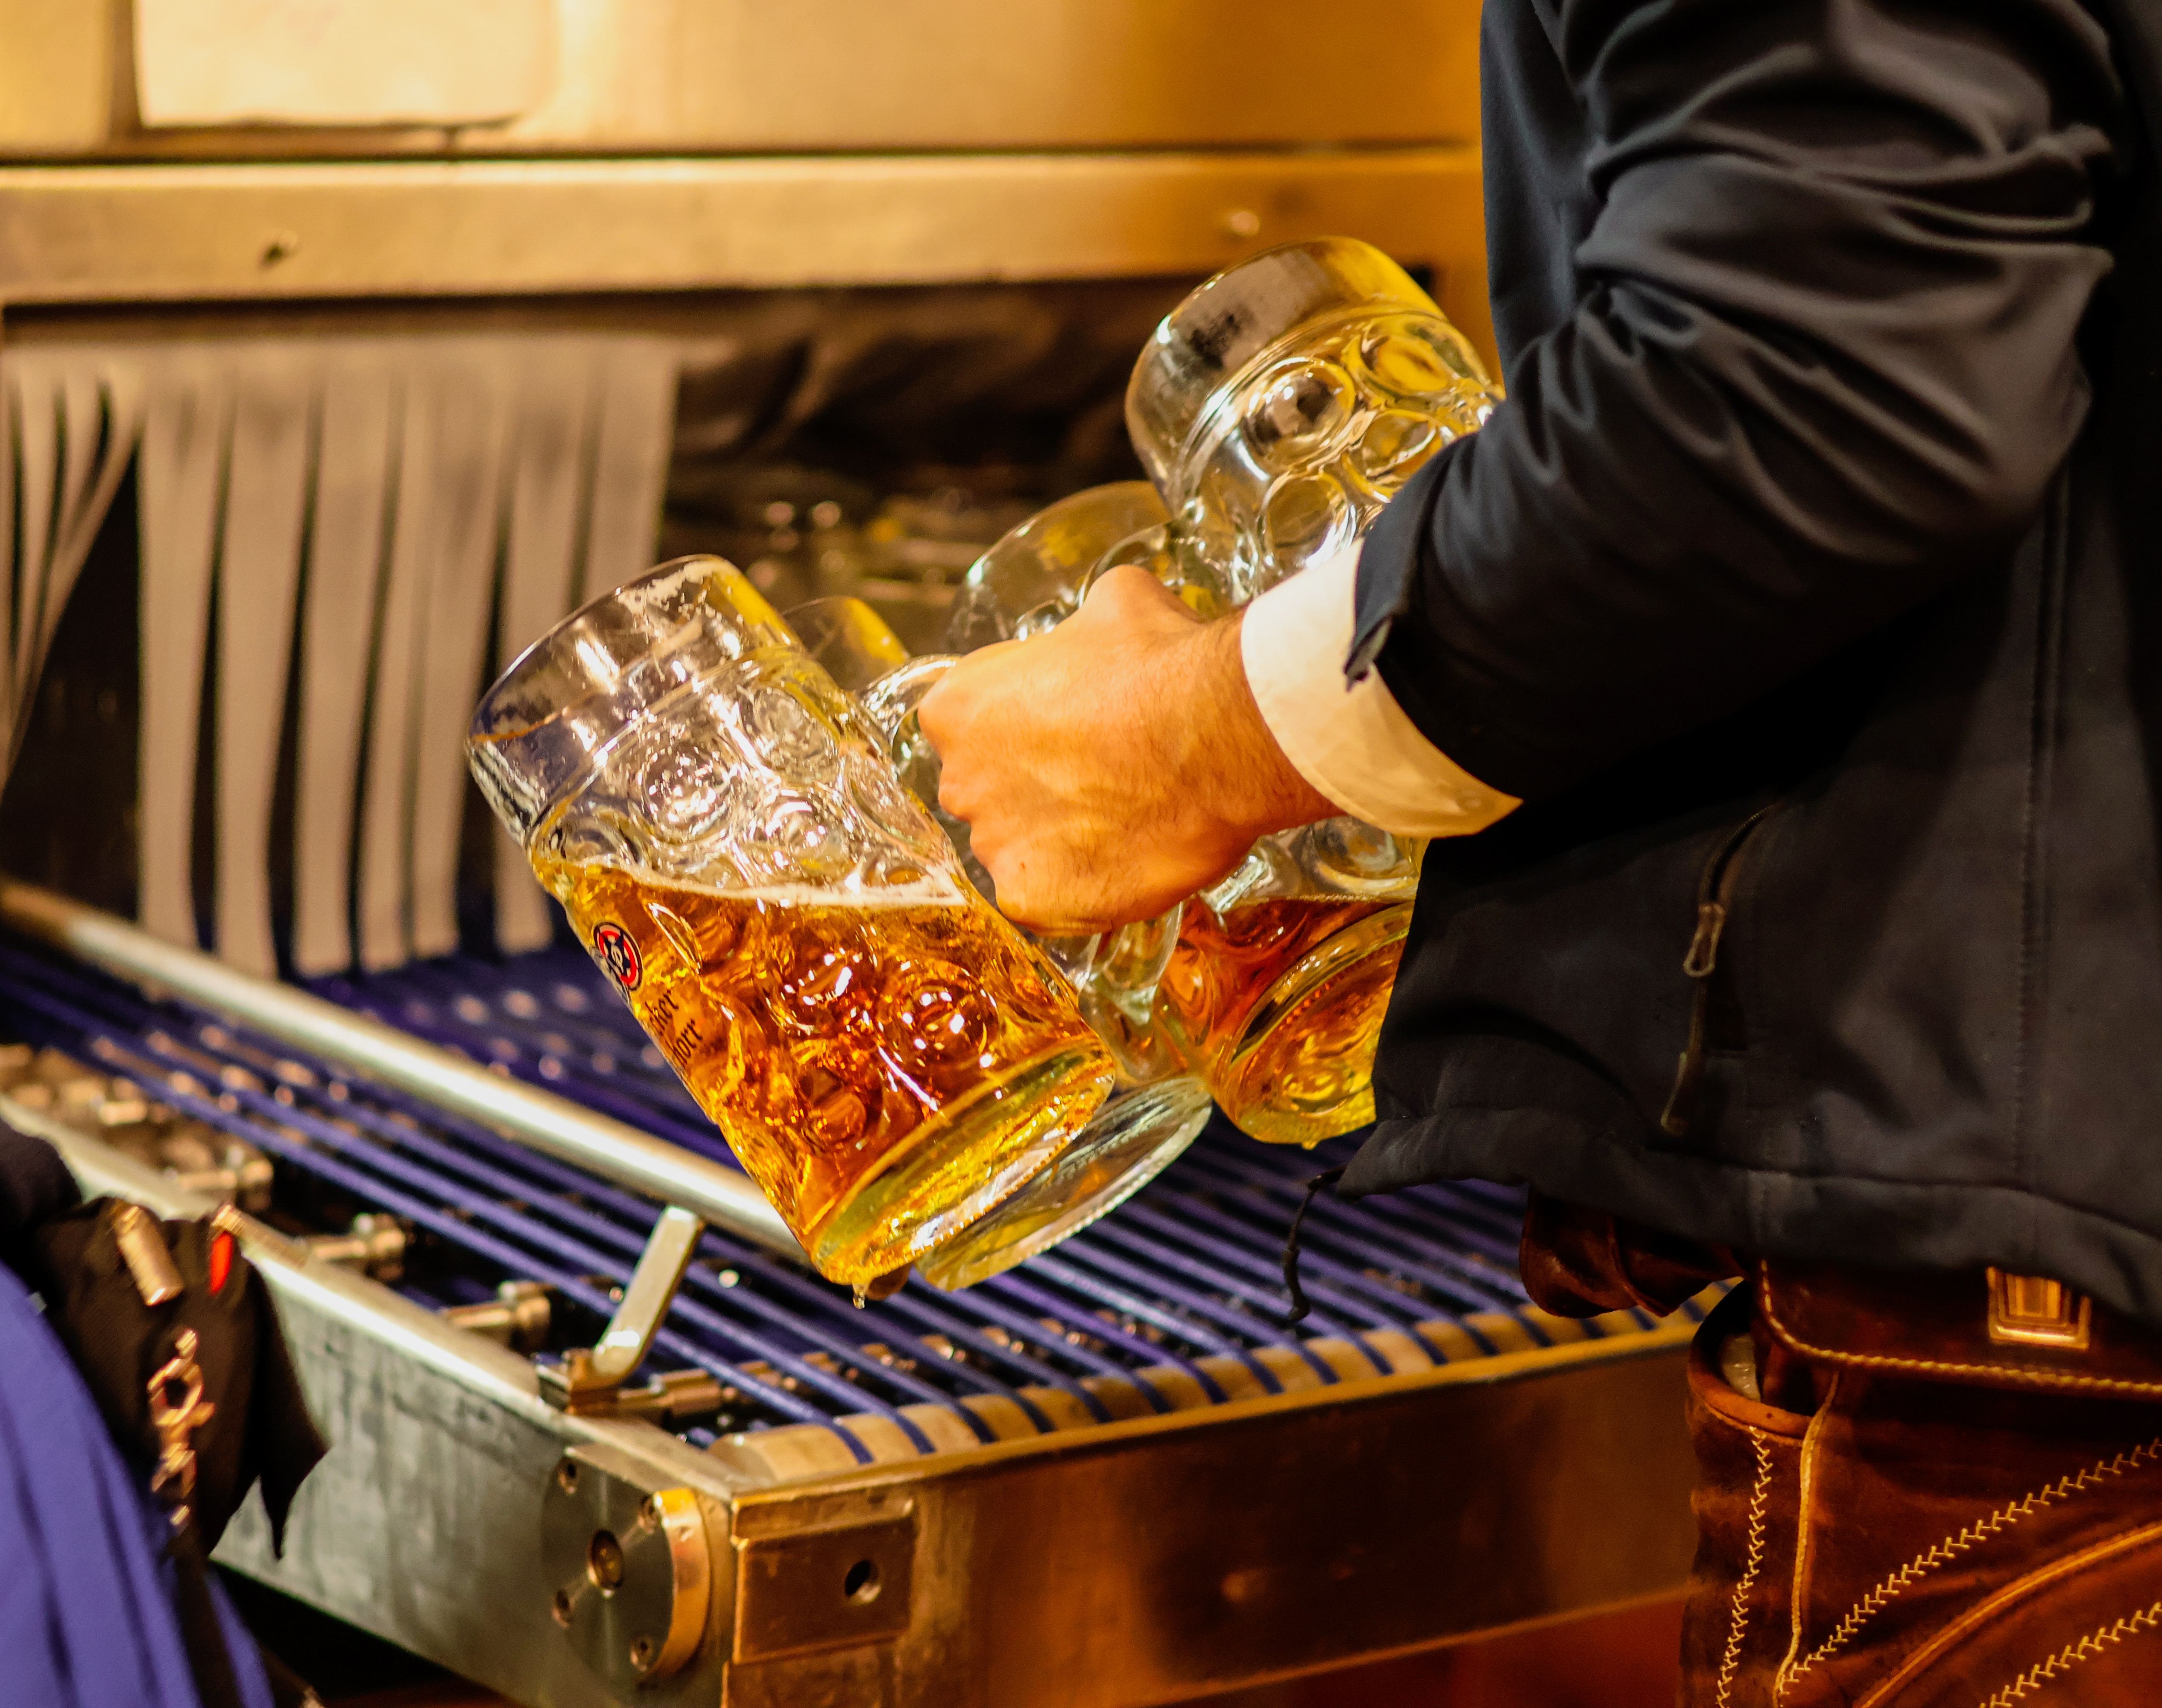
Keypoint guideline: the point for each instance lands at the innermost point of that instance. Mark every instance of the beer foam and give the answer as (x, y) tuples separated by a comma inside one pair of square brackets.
[(930, 891)]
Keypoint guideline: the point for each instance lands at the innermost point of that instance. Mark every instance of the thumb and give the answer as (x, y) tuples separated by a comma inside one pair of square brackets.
[(1128, 595)]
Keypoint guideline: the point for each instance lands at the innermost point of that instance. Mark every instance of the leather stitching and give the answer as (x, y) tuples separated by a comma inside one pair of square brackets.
[(1981, 1530), (1949, 1644), (1932, 1366), (1752, 1563), (2072, 1654), (1805, 1532)]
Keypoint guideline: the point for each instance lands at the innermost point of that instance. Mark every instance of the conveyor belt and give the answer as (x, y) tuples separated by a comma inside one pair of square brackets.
[(987, 1452), (1175, 1302)]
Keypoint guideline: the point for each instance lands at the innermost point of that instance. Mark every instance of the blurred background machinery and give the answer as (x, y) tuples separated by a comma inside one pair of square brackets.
[(337, 361)]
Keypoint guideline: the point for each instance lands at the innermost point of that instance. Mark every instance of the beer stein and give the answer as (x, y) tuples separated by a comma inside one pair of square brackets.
[(1036, 577), (1277, 410), (1284, 401), (887, 1055), (1276, 986), (1158, 1106)]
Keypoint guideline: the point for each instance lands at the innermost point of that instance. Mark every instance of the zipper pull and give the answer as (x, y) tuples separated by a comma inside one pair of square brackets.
[(1713, 889), (1704, 946)]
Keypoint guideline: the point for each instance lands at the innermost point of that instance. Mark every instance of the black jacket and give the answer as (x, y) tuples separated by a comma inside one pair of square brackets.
[(1811, 570)]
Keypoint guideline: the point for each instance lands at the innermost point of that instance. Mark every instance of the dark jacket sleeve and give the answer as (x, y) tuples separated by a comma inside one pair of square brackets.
[(1822, 362)]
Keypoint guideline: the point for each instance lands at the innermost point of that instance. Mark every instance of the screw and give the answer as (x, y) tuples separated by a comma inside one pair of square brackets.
[(641, 1654), (567, 1477), (561, 1607), (604, 1562)]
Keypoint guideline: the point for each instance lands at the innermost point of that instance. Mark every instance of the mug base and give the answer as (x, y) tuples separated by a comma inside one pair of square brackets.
[(961, 1163)]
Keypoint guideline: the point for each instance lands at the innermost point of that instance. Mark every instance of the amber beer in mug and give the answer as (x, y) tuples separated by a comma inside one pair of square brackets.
[(1158, 1104), (887, 1058), (1278, 1003), (826, 1037), (1277, 410)]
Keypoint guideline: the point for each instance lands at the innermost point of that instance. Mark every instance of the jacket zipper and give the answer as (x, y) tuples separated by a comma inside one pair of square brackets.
[(1715, 897)]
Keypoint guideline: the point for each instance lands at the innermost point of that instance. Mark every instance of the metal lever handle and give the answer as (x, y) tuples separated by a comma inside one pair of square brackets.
[(522, 1114), (653, 1283)]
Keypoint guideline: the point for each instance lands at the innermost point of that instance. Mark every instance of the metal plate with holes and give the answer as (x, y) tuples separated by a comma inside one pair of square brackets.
[(843, 1576), (630, 1564)]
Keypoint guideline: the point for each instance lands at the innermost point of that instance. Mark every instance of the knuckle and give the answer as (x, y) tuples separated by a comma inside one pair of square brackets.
[(956, 796)]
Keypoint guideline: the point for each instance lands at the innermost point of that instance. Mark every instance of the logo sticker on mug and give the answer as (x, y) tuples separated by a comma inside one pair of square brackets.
[(618, 954)]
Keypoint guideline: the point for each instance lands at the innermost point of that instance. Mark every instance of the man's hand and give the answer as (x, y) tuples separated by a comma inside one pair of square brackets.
[(1114, 766)]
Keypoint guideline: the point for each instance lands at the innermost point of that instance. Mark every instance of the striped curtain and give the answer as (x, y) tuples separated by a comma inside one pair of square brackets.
[(359, 530)]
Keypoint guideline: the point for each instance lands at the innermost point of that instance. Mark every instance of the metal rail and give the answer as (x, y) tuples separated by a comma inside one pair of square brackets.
[(183, 231), (522, 1114)]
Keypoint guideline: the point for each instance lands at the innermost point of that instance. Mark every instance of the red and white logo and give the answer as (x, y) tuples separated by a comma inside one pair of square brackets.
[(618, 954)]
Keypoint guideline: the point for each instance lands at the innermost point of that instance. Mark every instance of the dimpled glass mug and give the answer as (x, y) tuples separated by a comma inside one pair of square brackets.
[(887, 1055), (1278, 409), (1280, 972), (1157, 1107)]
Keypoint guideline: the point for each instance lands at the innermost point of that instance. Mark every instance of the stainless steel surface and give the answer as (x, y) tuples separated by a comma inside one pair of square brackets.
[(694, 75), (612, 1149), (421, 1525), (114, 233), (1167, 1557), (1137, 1563)]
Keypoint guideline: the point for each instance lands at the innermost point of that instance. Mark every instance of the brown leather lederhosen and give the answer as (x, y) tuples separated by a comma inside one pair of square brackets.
[(1914, 1491)]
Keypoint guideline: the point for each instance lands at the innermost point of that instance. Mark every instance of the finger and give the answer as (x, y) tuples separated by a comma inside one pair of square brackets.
[(945, 712), (939, 710), (958, 799), (1044, 914), (1054, 897)]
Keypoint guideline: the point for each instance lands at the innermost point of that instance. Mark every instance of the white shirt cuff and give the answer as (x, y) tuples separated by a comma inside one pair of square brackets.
[(1351, 742)]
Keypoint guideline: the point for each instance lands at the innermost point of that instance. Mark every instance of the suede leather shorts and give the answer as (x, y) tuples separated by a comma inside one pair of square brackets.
[(1896, 1510)]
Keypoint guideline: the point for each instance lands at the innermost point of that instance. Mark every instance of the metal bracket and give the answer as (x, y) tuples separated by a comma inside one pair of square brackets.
[(818, 1575), (589, 1380), (631, 1568), (518, 1317)]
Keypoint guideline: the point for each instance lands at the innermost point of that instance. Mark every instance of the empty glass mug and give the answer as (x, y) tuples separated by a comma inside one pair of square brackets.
[(1158, 1106), (1278, 409), (887, 1056)]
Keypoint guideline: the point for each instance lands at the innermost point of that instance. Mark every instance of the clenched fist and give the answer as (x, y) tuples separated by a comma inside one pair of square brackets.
[(1114, 766)]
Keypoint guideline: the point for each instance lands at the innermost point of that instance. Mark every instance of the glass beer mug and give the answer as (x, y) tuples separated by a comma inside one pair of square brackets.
[(1276, 983), (1158, 1106), (1278, 409), (887, 1055)]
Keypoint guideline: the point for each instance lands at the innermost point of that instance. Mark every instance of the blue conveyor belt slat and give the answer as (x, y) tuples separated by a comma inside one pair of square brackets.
[(536, 1256), (1254, 1300), (1186, 1275), (1339, 1293)]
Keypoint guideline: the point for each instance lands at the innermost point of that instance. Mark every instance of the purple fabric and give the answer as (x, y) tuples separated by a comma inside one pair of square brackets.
[(87, 1616)]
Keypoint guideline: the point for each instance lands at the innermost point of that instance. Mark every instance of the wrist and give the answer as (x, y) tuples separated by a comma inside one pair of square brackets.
[(1251, 787)]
